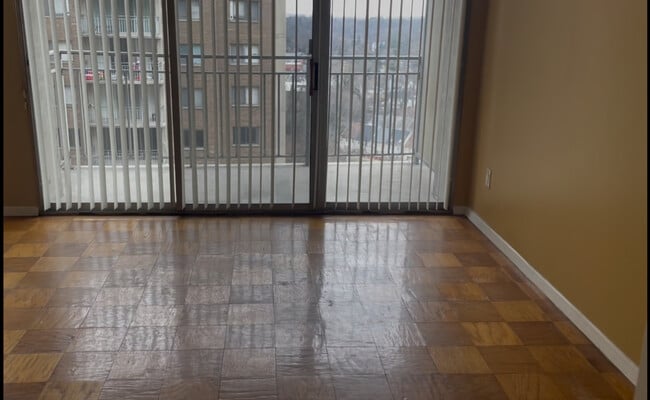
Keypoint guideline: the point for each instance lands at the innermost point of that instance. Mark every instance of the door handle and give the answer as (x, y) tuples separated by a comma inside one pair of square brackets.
[(313, 76)]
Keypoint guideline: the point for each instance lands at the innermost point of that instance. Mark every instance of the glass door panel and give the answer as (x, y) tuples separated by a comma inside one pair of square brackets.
[(244, 103)]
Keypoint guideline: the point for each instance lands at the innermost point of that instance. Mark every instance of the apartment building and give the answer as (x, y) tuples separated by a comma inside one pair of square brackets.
[(124, 60)]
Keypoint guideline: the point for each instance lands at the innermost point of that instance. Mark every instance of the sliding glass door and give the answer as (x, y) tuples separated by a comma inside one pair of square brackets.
[(227, 105), (244, 103)]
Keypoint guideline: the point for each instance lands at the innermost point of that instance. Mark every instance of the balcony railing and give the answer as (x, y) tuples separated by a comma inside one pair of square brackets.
[(137, 76), (129, 117), (122, 25)]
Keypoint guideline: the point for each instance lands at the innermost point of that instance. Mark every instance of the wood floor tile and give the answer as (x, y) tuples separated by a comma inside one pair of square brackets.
[(302, 361), (509, 359), (22, 391), (538, 333), (250, 336), (207, 295), (188, 364), (149, 338), (413, 387), (45, 341), (27, 298), (530, 386), (397, 334), (354, 361), (570, 331), (361, 387), (18, 264), (11, 279), (87, 279), (205, 314), (585, 386), (94, 263), (458, 360), (305, 388), (503, 291), (61, 318), (199, 337), (596, 358), (140, 365), (460, 387), (21, 318), (257, 389), (72, 390), (119, 296), (250, 294), (296, 312), (250, 314), (248, 363), (194, 388), (621, 385), (444, 334), (439, 260), (66, 249), (97, 339), (476, 259), (514, 311), (10, 339), (461, 292), (84, 366), (41, 280), (561, 359), (26, 250), (131, 389), (157, 316), (109, 317), (406, 360), (75, 237), (487, 275), (103, 249), (27, 368), (491, 334)]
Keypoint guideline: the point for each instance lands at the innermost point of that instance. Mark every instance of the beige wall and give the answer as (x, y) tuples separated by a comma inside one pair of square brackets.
[(20, 179), (562, 124)]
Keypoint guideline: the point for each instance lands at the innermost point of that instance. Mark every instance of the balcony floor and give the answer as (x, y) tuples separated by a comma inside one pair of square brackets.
[(415, 176)]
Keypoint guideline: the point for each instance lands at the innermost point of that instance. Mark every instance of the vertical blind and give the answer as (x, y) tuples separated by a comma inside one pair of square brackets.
[(97, 70)]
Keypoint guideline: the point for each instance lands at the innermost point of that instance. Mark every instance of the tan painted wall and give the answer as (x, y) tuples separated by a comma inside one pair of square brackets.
[(20, 179), (562, 123)]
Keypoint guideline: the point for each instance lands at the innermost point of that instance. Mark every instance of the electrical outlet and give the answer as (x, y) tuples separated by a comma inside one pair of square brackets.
[(488, 177)]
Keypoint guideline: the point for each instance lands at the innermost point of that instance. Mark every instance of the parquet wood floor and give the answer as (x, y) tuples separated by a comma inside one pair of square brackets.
[(281, 308)]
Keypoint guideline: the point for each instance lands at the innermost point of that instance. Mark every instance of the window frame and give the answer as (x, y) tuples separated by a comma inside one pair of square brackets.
[(248, 128), (192, 10), (185, 95)]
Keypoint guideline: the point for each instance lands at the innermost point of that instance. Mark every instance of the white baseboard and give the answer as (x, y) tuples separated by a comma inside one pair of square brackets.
[(20, 212), (609, 349)]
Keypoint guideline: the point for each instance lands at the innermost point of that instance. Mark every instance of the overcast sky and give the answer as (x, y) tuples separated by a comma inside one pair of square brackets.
[(339, 6)]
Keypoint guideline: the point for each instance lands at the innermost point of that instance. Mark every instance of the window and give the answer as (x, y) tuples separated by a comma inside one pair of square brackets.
[(60, 7), (245, 10), (245, 135), (196, 54), (67, 95), (198, 137), (243, 54), (182, 10), (63, 53), (198, 98), (245, 96)]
